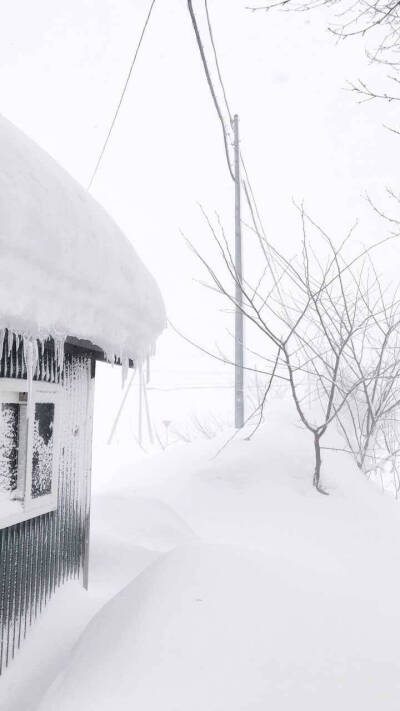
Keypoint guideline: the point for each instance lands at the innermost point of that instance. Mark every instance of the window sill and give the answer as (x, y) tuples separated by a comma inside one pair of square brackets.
[(13, 512)]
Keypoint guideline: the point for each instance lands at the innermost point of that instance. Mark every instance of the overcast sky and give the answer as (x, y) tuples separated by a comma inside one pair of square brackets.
[(62, 68)]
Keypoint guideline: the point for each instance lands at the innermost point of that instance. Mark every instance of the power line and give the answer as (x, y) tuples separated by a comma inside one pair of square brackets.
[(217, 62), (239, 355), (210, 85), (121, 97), (239, 364), (249, 187)]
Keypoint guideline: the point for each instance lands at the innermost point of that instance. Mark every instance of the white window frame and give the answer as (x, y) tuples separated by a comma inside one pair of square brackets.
[(30, 507)]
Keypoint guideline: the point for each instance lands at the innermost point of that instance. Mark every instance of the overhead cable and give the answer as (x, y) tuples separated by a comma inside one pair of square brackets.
[(121, 97)]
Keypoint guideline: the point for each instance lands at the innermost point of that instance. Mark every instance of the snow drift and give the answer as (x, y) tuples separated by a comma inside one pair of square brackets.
[(66, 269), (223, 628), (287, 600)]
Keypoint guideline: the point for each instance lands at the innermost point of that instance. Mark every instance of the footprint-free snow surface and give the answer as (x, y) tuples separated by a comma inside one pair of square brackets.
[(271, 596)]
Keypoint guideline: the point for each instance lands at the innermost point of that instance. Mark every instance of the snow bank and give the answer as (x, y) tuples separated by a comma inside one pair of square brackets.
[(127, 536), (66, 269), (147, 521), (287, 600), (223, 628), (130, 532), (271, 592)]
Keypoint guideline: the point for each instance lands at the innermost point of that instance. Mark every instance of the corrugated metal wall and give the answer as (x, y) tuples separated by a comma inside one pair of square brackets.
[(40, 554)]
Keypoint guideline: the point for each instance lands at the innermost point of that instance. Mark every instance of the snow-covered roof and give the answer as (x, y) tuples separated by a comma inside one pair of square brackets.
[(66, 269)]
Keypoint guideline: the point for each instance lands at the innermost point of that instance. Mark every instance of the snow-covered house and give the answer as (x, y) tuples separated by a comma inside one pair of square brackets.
[(72, 291)]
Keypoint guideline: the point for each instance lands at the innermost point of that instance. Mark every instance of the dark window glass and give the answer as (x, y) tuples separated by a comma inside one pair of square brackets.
[(42, 453), (9, 416)]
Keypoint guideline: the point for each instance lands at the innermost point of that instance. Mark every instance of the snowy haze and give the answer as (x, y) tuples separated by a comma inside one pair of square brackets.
[(303, 137), (242, 587)]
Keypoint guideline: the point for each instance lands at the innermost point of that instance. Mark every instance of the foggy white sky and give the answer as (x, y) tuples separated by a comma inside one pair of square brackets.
[(62, 67)]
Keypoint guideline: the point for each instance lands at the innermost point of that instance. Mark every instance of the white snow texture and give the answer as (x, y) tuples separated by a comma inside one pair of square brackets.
[(269, 596), (66, 268)]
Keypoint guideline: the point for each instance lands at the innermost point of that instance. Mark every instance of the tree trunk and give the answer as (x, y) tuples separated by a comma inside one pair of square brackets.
[(318, 463), (318, 460)]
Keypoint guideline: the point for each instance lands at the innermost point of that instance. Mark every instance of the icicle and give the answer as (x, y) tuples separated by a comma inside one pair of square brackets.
[(7, 354), (29, 354), (60, 353), (44, 354), (44, 365), (13, 364), (15, 356), (48, 366), (10, 340), (61, 348), (59, 342), (147, 369), (124, 368), (2, 336), (40, 359), (36, 356)]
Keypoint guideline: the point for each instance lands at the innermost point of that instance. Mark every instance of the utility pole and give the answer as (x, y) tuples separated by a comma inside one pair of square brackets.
[(239, 395)]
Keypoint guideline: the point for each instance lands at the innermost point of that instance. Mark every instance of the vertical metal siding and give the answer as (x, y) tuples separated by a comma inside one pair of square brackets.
[(39, 555)]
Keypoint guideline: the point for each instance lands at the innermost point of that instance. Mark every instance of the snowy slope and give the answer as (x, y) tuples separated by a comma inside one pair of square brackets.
[(66, 269), (286, 600), (224, 628)]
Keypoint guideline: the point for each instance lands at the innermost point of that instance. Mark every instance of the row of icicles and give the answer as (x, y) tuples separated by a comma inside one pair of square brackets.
[(37, 364)]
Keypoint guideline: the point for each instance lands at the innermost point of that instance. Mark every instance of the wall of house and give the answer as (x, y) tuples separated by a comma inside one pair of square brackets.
[(39, 555)]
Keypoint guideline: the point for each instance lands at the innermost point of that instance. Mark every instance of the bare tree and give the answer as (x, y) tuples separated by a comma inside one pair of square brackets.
[(377, 400), (314, 313), (326, 319), (369, 422), (361, 17), (379, 20)]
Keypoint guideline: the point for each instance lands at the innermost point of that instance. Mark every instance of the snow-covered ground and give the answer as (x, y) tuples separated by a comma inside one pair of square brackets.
[(237, 587)]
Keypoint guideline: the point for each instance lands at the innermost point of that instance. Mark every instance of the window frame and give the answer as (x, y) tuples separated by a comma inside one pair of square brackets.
[(28, 507)]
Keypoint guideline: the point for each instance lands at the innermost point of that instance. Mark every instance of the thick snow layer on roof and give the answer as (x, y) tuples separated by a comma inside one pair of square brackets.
[(66, 269)]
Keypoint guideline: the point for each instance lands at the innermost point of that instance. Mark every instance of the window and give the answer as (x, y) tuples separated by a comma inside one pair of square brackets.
[(28, 450)]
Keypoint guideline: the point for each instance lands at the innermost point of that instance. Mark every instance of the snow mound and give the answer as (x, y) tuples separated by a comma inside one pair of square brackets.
[(130, 533), (66, 268), (225, 628), (138, 520), (288, 599)]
